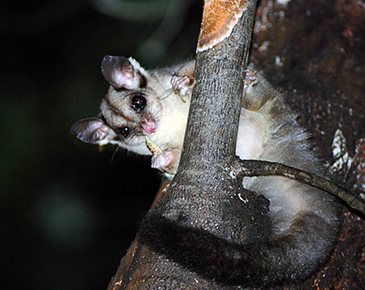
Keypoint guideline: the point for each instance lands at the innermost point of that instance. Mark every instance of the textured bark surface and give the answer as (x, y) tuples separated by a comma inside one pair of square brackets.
[(314, 51), (202, 196)]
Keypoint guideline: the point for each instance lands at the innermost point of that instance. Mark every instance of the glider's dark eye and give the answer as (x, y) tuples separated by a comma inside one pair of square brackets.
[(124, 131), (139, 102)]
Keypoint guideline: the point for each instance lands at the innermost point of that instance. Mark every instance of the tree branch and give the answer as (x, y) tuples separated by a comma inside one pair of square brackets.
[(265, 168), (202, 194), (196, 203)]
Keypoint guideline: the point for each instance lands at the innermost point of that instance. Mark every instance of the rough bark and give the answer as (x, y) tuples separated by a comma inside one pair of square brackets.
[(314, 51), (203, 195)]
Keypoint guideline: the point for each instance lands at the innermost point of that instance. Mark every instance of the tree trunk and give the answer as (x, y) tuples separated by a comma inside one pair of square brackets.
[(202, 201), (312, 50)]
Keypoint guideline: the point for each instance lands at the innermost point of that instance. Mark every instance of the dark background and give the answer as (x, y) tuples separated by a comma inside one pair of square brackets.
[(69, 211)]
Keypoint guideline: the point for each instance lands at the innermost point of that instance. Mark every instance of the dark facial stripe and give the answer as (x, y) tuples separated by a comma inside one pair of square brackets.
[(142, 80)]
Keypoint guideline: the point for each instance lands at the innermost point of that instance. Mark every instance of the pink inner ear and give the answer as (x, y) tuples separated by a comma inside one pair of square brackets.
[(124, 79)]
